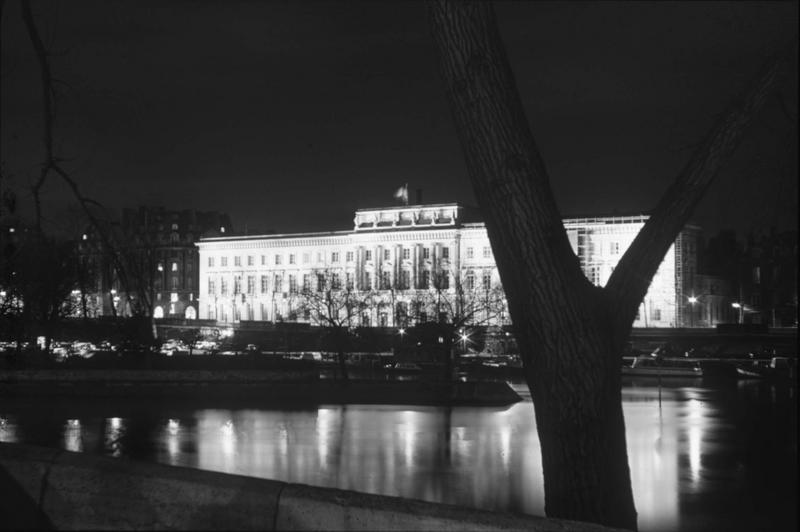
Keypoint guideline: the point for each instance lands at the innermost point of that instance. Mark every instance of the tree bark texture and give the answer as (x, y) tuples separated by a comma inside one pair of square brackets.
[(571, 333)]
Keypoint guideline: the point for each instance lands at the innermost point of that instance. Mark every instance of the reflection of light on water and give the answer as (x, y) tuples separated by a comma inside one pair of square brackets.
[(650, 431), (324, 416), (113, 433), (8, 431), (505, 445), (173, 441), (72, 436), (695, 419), (409, 434), (228, 437)]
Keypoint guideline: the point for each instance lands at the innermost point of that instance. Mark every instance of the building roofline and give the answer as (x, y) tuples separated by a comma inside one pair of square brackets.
[(414, 206), (234, 238)]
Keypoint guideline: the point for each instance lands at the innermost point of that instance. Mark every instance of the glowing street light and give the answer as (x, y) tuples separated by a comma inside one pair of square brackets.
[(739, 306), (692, 301)]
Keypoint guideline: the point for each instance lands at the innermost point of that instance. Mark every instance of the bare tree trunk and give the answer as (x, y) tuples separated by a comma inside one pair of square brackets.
[(570, 333)]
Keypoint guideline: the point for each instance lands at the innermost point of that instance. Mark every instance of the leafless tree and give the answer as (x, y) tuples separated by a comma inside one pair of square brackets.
[(570, 332), (335, 305), (454, 303)]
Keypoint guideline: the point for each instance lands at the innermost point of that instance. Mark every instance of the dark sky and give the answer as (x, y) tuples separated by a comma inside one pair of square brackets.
[(290, 115)]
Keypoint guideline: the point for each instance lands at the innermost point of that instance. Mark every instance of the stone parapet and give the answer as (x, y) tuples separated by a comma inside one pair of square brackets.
[(50, 488)]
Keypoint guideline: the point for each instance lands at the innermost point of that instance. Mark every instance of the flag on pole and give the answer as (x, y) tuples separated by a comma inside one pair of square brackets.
[(402, 194)]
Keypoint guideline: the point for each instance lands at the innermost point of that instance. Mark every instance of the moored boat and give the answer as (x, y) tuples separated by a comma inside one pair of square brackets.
[(777, 368)]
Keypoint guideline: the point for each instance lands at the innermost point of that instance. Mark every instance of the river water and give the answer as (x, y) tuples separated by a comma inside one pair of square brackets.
[(719, 456)]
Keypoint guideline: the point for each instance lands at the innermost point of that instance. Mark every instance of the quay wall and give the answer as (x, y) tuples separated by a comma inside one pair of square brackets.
[(56, 489), (256, 387)]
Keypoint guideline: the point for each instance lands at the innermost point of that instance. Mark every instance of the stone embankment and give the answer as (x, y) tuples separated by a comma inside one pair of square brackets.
[(254, 386), (55, 489)]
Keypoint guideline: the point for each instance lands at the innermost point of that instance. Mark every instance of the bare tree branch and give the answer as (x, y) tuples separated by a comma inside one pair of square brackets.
[(630, 279)]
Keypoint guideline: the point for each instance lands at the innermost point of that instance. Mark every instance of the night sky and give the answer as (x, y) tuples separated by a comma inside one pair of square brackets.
[(290, 115)]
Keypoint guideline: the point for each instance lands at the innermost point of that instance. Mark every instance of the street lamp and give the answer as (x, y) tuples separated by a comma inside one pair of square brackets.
[(692, 301), (741, 311)]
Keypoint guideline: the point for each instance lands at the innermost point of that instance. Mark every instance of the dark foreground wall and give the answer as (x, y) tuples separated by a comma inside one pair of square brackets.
[(55, 489)]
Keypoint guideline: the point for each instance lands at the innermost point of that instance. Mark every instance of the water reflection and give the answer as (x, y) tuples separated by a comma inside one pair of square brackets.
[(685, 446)]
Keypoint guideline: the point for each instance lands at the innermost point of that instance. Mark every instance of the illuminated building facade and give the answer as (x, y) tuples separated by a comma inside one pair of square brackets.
[(398, 252)]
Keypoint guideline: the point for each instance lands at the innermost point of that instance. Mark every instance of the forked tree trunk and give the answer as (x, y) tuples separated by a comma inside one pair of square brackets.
[(571, 334)]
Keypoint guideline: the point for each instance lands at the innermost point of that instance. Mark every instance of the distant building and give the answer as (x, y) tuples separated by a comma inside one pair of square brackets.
[(158, 246), (398, 251), (768, 279), (757, 278)]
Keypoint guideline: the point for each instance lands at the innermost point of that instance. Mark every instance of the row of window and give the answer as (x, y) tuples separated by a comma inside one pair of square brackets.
[(174, 267), (364, 317), (440, 280), (174, 284), (335, 257)]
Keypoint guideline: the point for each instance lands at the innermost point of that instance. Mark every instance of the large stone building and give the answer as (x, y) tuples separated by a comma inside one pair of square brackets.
[(158, 248), (401, 253)]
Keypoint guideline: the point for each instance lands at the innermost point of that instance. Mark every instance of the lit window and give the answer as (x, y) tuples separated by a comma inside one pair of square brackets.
[(291, 258), (445, 252), (470, 253), (160, 267), (277, 259), (335, 256), (349, 256), (487, 252), (172, 308), (174, 266), (406, 253), (426, 253), (173, 297)]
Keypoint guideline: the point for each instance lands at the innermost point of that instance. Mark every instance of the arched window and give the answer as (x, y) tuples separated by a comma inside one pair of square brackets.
[(158, 313), (191, 313)]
